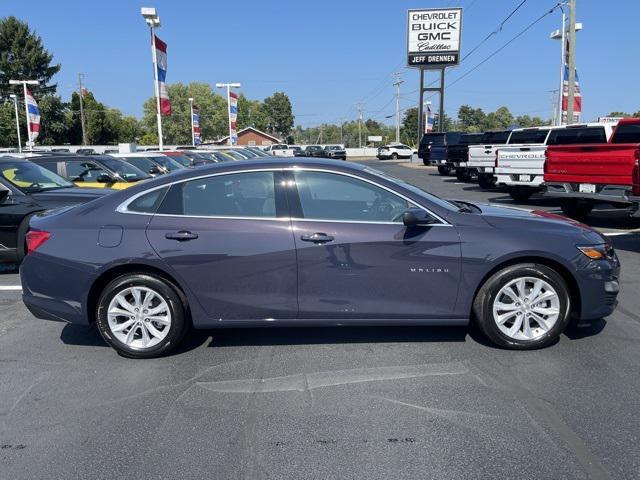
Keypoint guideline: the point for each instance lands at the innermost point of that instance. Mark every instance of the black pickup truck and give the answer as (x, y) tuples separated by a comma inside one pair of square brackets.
[(458, 155)]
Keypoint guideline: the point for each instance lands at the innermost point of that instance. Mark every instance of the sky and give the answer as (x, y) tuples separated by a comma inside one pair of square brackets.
[(329, 55)]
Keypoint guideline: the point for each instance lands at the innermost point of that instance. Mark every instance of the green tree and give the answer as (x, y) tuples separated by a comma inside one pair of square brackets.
[(500, 119), (251, 113), (176, 128), (409, 127), (279, 114), (23, 57), (471, 119), (8, 136), (54, 121), (621, 114)]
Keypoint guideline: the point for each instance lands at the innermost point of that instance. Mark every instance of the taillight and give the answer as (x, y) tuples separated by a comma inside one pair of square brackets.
[(635, 188), (545, 169), (35, 238), (495, 163)]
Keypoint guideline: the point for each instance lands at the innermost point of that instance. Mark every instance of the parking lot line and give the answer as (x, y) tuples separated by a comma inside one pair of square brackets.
[(10, 287)]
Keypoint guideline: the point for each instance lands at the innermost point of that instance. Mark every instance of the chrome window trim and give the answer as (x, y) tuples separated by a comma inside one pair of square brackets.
[(122, 208)]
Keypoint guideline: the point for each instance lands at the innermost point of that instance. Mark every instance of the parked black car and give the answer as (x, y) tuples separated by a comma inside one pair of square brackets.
[(335, 152), (314, 151), (458, 154), (25, 189)]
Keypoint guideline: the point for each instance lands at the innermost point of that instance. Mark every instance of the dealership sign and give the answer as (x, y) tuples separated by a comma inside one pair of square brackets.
[(433, 39)]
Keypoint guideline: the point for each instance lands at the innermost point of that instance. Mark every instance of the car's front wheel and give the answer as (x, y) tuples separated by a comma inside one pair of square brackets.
[(523, 307), (141, 315), (444, 169)]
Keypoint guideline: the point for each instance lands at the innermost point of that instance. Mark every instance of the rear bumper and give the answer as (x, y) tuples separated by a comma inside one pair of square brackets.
[(619, 194), (635, 206), (514, 179)]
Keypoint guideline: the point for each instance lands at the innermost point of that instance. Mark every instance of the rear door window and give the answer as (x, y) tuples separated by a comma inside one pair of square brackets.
[(244, 195)]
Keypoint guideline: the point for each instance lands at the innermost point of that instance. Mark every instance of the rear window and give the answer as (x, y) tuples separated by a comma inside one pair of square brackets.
[(571, 136), (433, 139), (473, 139), (496, 138), (529, 136), (627, 133)]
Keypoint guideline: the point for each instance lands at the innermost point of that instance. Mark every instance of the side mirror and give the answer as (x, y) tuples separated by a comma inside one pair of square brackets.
[(154, 170), (104, 178), (416, 217)]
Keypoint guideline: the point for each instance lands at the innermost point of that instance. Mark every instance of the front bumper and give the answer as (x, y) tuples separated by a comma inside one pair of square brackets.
[(599, 285)]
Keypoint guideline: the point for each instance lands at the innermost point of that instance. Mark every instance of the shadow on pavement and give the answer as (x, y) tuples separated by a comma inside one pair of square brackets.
[(577, 330), (8, 268), (629, 243)]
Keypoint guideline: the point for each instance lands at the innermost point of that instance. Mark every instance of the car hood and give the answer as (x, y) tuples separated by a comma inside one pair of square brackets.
[(537, 220)]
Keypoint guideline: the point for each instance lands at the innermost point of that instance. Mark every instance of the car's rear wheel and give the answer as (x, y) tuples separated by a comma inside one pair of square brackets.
[(487, 182), (444, 169), (141, 315), (394, 156), (576, 208), (523, 306), (520, 194), (463, 175)]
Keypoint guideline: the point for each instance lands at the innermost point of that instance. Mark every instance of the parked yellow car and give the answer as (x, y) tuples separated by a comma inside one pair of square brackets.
[(93, 171)]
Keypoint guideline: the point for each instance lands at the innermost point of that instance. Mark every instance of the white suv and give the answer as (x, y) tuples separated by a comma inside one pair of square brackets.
[(395, 152)]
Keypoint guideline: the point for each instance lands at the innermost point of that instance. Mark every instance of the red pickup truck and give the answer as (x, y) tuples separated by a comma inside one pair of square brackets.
[(583, 175), (635, 190)]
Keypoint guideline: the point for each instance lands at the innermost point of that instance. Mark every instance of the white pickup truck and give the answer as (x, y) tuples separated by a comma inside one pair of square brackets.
[(482, 158), (520, 164), (280, 150)]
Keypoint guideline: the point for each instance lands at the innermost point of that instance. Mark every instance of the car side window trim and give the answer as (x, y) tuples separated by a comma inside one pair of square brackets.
[(291, 202)]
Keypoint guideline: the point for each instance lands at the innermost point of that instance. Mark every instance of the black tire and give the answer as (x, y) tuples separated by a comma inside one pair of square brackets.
[(426, 162), (21, 238), (463, 175), (170, 293), (394, 156), (576, 208), (520, 194), (444, 170), (487, 182), (483, 305)]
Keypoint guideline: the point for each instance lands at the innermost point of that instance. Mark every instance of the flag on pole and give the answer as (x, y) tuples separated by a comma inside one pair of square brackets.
[(197, 139), (577, 97), (233, 117), (161, 65), (34, 116), (428, 126)]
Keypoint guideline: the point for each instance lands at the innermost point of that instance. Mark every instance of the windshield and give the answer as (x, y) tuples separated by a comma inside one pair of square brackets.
[(248, 153), (233, 154), (418, 191), (167, 162), (182, 160), (31, 178), (527, 137), (126, 171)]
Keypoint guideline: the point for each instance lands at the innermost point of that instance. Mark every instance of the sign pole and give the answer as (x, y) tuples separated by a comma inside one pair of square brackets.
[(421, 127), (441, 115)]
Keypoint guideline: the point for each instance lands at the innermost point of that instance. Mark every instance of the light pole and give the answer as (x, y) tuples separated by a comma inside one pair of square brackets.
[(229, 86), (193, 136), (152, 19), (15, 104), (24, 84), (561, 35)]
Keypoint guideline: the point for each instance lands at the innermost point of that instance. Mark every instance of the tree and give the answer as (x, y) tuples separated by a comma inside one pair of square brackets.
[(251, 113), (54, 121), (471, 119), (176, 128), (23, 57), (279, 114), (621, 114), (500, 119), (8, 136), (409, 127)]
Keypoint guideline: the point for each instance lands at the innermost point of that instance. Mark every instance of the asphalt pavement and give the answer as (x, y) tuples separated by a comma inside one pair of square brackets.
[(328, 403)]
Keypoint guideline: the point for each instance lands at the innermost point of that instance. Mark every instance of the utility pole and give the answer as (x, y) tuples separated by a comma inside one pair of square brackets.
[(82, 119), (572, 61), (397, 84), (15, 104), (359, 108)]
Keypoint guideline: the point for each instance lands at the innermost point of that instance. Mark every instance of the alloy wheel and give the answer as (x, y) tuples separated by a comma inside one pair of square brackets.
[(526, 308), (139, 317)]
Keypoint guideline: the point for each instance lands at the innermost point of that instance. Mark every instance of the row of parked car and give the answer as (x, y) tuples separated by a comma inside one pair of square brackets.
[(334, 152), (580, 164), (44, 180)]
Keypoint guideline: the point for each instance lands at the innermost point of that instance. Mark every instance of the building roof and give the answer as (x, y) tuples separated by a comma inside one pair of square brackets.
[(255, 130)]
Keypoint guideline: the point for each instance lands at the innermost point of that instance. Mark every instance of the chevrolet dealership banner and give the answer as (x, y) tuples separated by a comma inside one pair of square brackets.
[(433, 39)]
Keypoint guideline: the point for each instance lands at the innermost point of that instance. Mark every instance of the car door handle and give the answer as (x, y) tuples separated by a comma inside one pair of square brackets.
[(181, 236), (317, 238)]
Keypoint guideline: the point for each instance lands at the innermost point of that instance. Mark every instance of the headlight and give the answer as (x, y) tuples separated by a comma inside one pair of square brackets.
[(597, 252)]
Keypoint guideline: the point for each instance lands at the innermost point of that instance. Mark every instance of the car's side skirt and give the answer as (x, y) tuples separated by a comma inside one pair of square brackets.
[(331, 322)]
